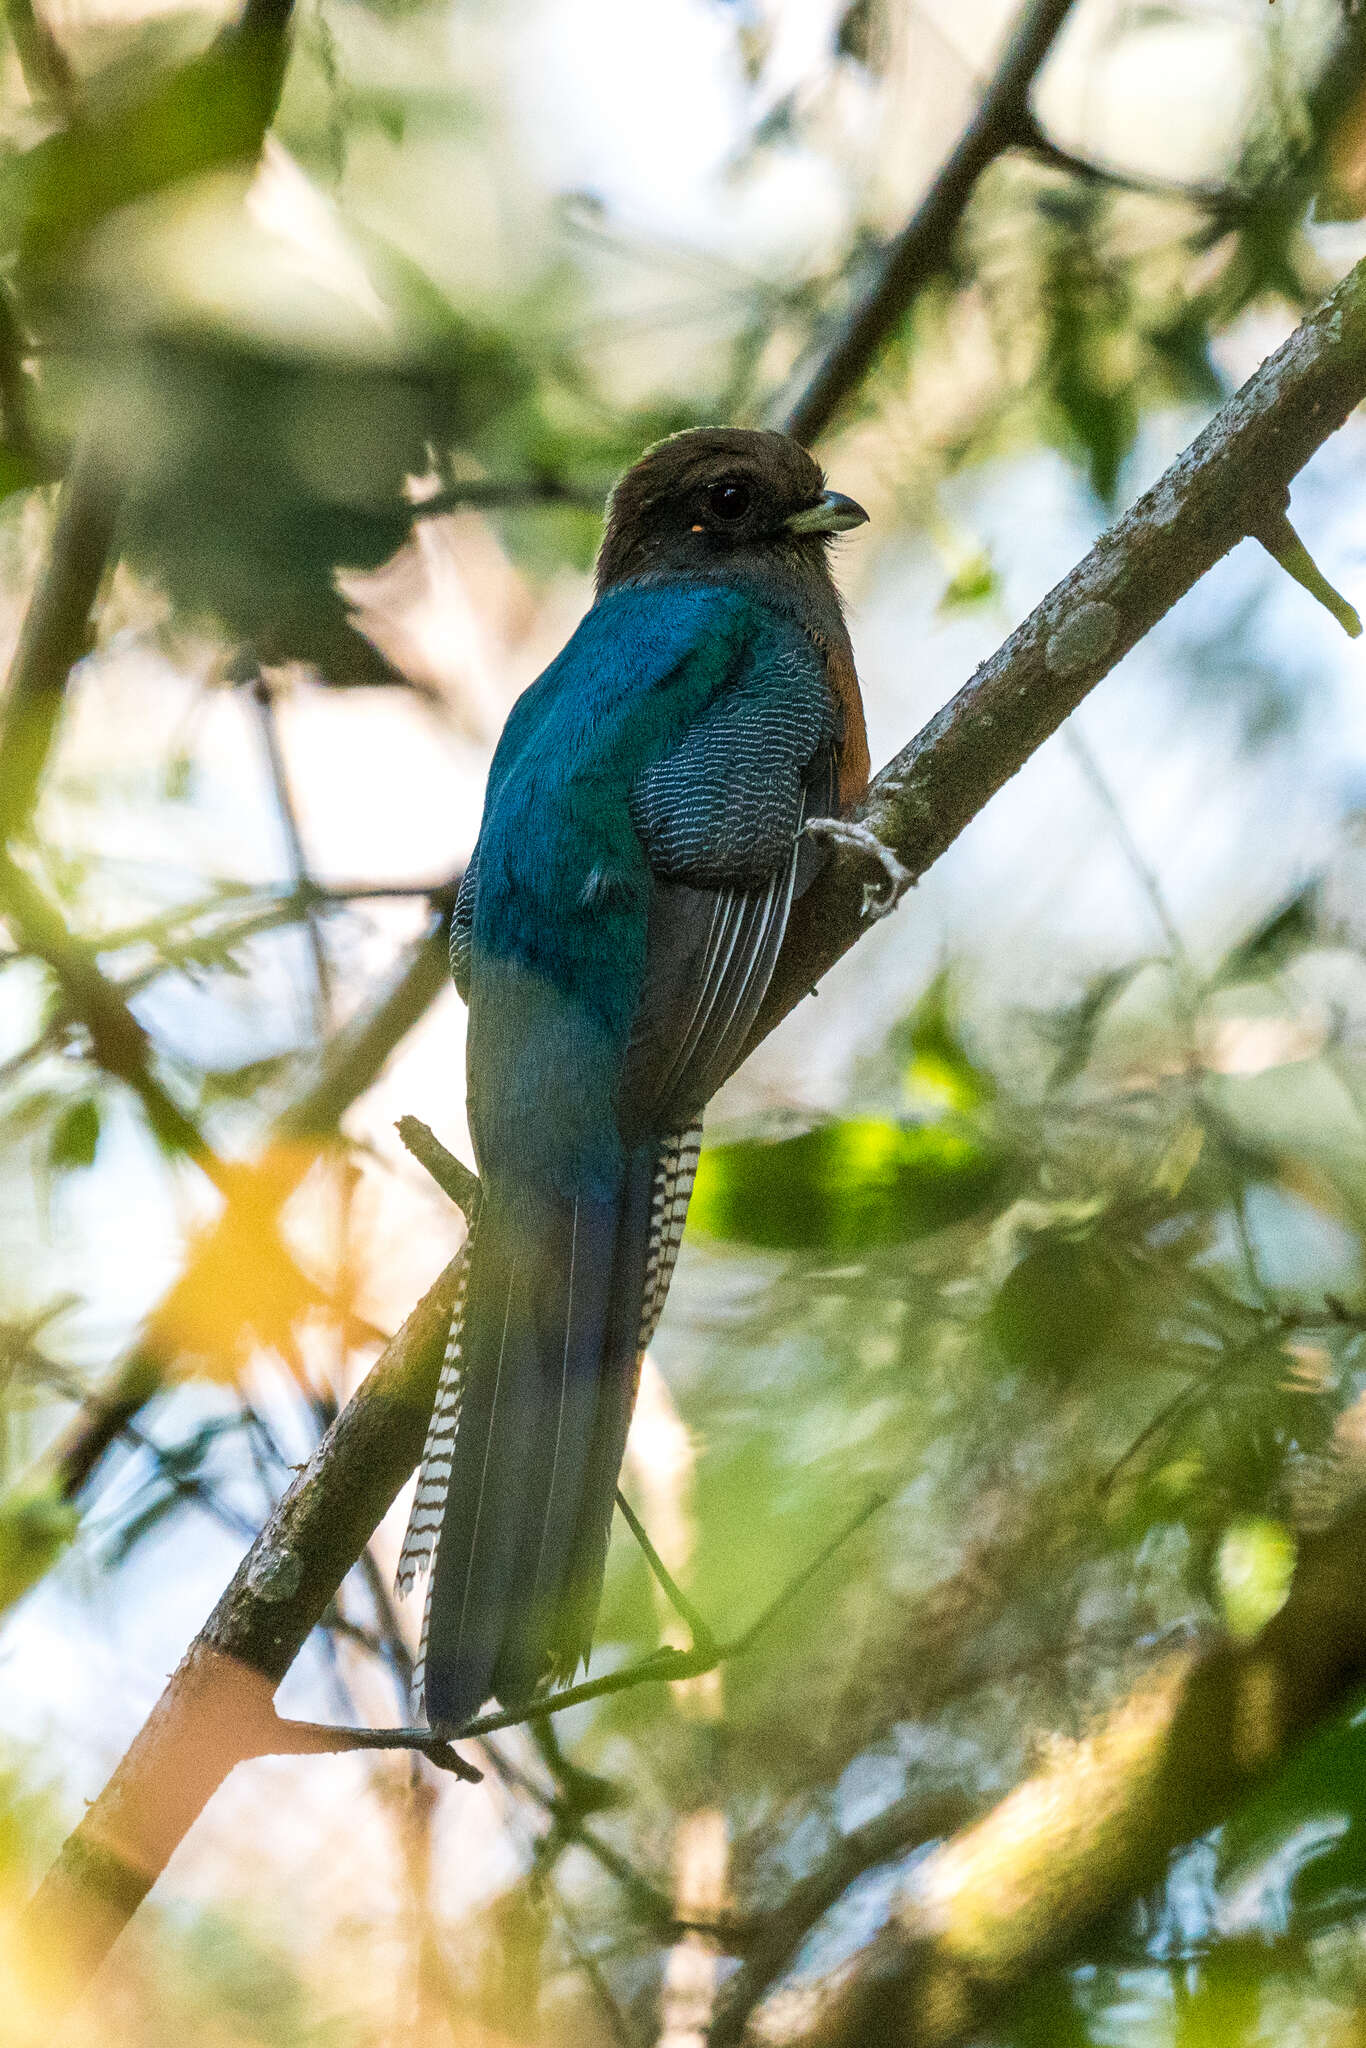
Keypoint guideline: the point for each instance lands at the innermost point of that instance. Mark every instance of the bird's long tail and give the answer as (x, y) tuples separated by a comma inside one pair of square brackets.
[(519, 1474)]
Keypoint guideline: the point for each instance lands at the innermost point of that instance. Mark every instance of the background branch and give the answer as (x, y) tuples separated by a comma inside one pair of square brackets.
[(924, 247), (779, 1933), (118, 1042), (47, 70), (56, 632), (1025, 1887), (57, 625)]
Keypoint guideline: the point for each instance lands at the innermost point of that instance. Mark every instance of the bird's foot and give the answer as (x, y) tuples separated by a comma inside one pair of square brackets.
[(879, 897)]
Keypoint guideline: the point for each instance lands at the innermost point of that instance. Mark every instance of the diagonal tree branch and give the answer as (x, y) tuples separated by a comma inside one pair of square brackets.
[(1137, 570), (924, 248), (48, 73), (291, 1573)]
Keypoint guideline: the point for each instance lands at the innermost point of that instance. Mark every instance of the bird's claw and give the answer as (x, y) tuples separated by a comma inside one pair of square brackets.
[(879, 897)]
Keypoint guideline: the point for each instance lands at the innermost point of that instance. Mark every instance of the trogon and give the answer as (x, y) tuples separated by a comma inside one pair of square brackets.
[(642, 842)]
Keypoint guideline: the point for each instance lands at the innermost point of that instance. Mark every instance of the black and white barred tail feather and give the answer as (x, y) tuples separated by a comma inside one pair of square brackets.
[(670, 1188), (434, 1472), (669, 1197)]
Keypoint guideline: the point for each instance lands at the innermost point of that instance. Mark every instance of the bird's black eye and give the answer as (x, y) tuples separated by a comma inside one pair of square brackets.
[(729, 501)]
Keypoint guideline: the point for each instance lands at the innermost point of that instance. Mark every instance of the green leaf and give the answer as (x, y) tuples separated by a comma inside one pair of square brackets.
[(975, 581), (36, 1524), (1253, 1569), (1268, 946), (75, 1135), (1058, 1306), (207, 113), (845, 1186), (1182, 349), (254, 472), (1073, 1030), (939, 1075)]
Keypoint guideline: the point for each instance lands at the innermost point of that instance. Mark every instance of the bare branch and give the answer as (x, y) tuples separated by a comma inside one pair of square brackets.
[(48, 75), (57, 626), (451, 1175), (218, 1707), (300, 874), (496, 494), (1222, 201), (668, 1665), (695, 1623), (925, 245), (319, 1738)]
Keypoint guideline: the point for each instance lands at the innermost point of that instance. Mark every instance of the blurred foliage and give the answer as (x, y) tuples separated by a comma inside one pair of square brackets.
[(1078, 1292)]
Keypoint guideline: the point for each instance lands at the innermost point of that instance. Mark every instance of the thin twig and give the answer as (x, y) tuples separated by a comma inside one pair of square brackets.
[(777, 1934), (796, 1586), (264, 699), (451, 1175), (667, 1665), (650, 1905), (118, 1041), (1145, 875), (1223, 201), (489, 494), (695, 1622), (1188, 995), (316, 1738)]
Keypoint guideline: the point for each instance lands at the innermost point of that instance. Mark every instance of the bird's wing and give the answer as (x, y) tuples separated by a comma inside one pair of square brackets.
[(720, 817)]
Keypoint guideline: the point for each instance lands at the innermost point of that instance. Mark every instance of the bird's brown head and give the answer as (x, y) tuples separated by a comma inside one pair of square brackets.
[(717, 500)]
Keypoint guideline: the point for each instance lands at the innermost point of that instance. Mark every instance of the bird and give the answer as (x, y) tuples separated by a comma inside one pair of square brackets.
[(643, 839)]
